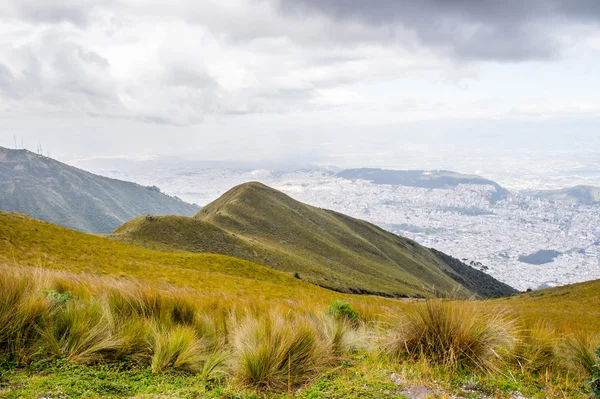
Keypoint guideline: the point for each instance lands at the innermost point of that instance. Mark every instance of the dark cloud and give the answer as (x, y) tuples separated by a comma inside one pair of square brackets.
[(507, 30), (76, 12)]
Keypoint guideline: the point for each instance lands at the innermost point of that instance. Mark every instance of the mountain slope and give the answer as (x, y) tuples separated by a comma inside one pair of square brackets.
[(575, 305), (27, 242), (585, 195), (255, 222), (421, 178), (52, 191)]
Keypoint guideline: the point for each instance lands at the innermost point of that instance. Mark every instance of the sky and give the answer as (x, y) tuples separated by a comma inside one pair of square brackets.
[(347, 82)]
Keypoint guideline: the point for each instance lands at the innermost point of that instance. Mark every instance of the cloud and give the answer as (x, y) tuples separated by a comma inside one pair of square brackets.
[(76, 12), (178, 63), (53, 73), (508, 30)]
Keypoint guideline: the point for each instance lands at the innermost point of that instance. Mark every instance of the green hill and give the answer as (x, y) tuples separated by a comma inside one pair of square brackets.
[(258, 223), (26, 242), (58, 193), (574, 307)]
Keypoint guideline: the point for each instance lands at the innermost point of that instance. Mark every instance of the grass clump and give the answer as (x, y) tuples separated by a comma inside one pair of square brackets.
[(176, 347), (577, 353), (274, 353), (536, 349), (452, 334), (80, 331)]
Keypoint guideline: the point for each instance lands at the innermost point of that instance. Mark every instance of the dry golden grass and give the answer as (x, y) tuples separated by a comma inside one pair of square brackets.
[(92, 300)]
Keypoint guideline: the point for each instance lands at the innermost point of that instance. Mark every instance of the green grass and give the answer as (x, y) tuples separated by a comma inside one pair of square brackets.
[(569, 308), (29, 242), (257, 223), (98, 318)]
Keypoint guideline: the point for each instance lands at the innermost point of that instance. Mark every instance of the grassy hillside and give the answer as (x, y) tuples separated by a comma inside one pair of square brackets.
[(99, 318), (28, 242), (50, 190), (574, 307), (257, 223)]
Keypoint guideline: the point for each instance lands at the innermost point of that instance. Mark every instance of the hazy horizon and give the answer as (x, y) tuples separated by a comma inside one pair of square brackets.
[(494, 88)]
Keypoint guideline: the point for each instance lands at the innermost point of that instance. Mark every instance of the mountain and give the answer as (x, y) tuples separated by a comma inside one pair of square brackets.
[(421, 178), (58, 193), (584, 195), (260, 224)]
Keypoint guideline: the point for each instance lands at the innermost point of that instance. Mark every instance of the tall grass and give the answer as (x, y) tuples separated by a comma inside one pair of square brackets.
[(453, 334), (261, 345), (276, 352)]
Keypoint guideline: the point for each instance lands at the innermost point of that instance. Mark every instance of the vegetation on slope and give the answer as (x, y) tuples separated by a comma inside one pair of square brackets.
[(257, 223), (573, 307), (101, 318), (29, 242), (57, 325), (58, 193), (585, 195)]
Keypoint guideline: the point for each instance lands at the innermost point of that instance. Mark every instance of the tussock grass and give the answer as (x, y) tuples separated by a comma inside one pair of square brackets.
[(269, 346), (262, 345), (453, 334), (536, 349), (277, 352), (577, 352), (178, 347), (79, 331)]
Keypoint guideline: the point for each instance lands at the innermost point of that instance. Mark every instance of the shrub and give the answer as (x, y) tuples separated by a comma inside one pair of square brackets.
[(595, 381), (454, 335), (58, 298), (342, 311)]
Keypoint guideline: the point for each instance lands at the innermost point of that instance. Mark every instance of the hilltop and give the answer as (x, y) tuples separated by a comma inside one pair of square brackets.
[(255, 222), (422, 178), (58, 193)]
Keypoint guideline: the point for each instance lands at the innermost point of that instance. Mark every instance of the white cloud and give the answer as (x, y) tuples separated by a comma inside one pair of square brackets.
[(220, 66)]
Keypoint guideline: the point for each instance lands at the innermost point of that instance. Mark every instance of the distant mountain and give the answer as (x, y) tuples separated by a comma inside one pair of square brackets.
[(585, 195), (421, 178), (257, 223), (61, 194)]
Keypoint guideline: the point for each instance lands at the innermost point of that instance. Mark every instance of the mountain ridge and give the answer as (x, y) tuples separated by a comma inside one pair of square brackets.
[(581, 194), (324, 247), (421, 178), (62, 194)]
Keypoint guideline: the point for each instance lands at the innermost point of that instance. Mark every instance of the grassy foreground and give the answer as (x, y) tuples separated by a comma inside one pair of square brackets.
[(84, 317), (74, 335)]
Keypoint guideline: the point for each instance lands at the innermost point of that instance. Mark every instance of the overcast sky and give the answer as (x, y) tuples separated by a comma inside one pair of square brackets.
[(348, 81)]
